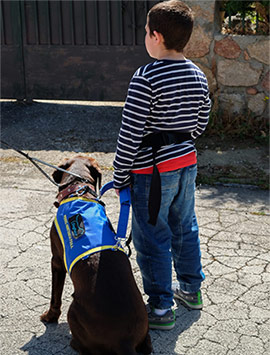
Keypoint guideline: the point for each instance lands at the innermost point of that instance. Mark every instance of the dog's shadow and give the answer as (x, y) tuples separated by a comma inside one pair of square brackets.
[(166, 342), (55, 340)]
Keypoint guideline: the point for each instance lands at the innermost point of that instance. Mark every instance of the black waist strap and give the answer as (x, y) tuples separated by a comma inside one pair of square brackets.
[(157, 140)]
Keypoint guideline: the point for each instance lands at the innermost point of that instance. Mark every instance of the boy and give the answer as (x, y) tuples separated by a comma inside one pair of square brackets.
[(167, 107)]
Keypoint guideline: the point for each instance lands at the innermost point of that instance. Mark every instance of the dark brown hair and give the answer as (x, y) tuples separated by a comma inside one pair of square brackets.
[(174, 20)]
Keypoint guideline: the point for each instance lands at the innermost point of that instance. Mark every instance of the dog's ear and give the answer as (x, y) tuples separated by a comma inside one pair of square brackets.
[(57, 174), (95, 171)]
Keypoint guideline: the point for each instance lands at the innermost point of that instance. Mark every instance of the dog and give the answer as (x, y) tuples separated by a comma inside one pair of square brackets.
[(107, 315)]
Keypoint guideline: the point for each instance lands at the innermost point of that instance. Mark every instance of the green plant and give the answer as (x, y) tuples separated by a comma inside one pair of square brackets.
[(252, 16), (233, 7), (244, 125)]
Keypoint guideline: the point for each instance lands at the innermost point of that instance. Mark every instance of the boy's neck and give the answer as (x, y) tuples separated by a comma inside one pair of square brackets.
[(171, 55)]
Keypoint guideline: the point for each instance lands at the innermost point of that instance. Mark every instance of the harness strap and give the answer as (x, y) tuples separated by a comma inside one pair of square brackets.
[(79, 189), (156, 141)]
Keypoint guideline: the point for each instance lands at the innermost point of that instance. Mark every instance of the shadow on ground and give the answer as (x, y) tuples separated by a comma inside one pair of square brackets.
[(64, 127), (55, 339), (168, 340), (93, 127)]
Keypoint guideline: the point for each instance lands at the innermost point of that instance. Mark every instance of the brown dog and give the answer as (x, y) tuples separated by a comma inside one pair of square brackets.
[(107, 314)]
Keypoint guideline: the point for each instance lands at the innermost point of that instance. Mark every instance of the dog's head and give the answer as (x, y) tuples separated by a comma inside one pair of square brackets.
[(85, 167)]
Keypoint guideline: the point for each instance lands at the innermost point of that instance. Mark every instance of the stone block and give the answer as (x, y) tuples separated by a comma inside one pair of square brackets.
[(231, 103), (246, 56), (251, 91), (256, 103), (212, 83), (204, 11), (266, 82), (244, 40), (234, 73), (199, 44), (260, 51), (227, 48)]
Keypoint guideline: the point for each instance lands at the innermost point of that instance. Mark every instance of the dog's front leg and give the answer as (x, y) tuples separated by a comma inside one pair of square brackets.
[(58, 279)]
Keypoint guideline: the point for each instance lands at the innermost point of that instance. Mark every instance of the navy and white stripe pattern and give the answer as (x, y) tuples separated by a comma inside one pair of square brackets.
[(166, 95)]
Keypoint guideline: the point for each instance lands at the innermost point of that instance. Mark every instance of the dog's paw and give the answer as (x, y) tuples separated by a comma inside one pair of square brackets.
[(50, 317)]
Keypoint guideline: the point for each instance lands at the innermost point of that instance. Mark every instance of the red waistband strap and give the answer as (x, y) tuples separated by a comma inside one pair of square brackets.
[(170, 165)]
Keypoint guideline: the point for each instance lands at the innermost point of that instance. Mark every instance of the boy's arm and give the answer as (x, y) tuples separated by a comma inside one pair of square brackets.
[(203, 117), (134, 116)]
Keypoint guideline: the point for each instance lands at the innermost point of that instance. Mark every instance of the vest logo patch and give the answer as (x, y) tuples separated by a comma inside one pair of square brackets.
[(76, 226)]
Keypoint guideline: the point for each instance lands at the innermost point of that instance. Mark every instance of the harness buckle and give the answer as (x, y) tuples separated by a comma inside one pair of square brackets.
[(120, 243), (81, 190)]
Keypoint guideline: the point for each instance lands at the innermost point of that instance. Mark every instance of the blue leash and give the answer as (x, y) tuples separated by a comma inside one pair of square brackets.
[(125, 202)]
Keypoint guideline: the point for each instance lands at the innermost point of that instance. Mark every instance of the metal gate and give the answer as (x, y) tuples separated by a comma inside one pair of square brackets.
[(80, 50)]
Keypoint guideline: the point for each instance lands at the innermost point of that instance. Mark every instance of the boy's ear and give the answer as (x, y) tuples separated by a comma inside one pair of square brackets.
[(158, 37)]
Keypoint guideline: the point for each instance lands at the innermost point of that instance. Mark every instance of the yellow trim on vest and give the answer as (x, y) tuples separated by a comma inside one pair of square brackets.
[(92, 251), (62, 240)]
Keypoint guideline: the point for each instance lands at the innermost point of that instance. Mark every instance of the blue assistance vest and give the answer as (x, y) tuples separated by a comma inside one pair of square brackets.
[(84, 229)]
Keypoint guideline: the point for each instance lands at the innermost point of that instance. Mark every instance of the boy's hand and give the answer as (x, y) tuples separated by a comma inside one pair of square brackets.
[(117, 191)]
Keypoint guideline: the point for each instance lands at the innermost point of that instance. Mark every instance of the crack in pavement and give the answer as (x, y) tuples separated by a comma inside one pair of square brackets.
[(235, 255)]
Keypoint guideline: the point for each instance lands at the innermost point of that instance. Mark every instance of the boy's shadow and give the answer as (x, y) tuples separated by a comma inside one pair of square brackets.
[(164, 342), (55, 340)]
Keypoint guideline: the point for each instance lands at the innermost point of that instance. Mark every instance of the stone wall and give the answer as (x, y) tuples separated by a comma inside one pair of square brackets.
[(237, 67)]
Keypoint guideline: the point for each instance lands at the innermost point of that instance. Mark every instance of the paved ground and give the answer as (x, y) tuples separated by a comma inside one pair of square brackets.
[(235, 239)]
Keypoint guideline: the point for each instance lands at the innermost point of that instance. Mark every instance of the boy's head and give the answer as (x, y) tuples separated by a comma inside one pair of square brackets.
[(174, 20)]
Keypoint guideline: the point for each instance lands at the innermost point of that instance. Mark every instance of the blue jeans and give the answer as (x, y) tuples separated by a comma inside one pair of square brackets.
[(175, 237)]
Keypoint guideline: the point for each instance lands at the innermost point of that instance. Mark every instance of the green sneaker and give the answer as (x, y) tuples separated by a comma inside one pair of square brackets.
[(191, 300), (165, 322)]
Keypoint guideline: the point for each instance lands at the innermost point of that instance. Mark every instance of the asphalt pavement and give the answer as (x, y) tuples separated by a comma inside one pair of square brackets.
[(234, 230)]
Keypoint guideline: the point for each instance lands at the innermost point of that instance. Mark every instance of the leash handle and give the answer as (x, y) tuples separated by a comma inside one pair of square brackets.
[(125, 201)]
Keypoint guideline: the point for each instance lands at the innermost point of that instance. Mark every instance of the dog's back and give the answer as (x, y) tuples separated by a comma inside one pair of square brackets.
[(108, 313)]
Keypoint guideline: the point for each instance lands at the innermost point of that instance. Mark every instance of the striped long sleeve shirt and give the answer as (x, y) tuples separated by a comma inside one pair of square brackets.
[(166, 95)]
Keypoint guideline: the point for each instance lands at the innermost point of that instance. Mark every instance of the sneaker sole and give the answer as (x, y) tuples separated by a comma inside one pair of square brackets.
[(168, 326), (188, 304)]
